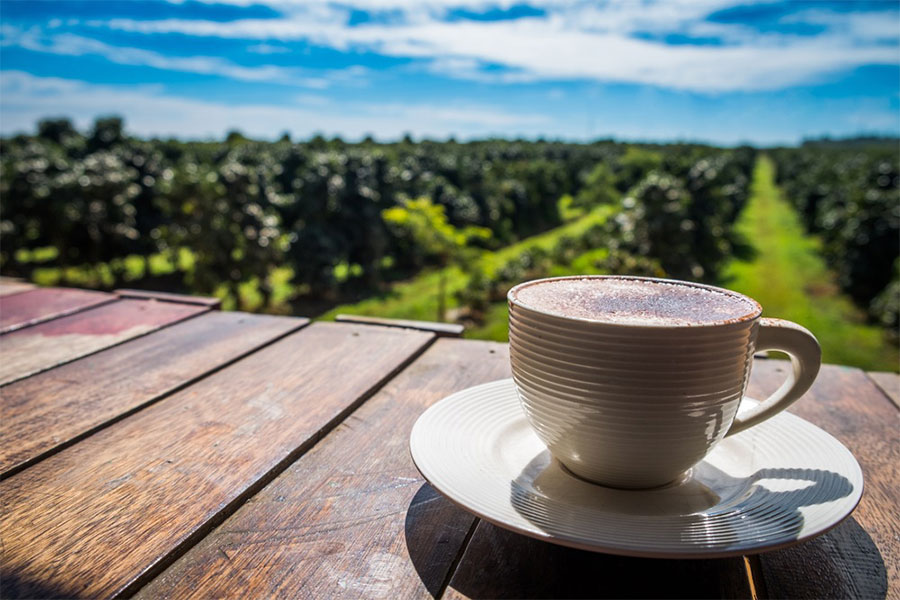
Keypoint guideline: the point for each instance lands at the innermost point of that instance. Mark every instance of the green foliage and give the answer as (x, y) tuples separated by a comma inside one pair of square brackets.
[(324, 220), (635, 165), (434, 237), (245, 208), (431, 233), (850, 197), (885, 308), (791, 280), (684, 222), (599, 188)]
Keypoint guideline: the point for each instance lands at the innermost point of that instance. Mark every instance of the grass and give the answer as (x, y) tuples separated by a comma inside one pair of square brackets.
[(130, 268), (790, 279), (418, 299)]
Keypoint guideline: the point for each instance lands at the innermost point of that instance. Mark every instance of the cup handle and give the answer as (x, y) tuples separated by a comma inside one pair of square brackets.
[(806, 357)]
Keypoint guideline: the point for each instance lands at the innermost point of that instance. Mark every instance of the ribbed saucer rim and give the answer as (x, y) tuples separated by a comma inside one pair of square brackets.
[(845, 511)]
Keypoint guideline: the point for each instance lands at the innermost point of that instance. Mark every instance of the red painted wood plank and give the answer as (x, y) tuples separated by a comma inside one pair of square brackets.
[(99, 517), (44, 413), (41, 347), (43, 304)]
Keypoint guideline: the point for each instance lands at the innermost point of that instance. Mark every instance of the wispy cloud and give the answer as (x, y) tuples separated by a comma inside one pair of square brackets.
[(721, 70), (585, 42), (68, 44), (27, 98)]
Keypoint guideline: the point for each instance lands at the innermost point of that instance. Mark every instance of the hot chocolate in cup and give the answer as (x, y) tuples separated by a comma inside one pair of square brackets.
[(630, 381)]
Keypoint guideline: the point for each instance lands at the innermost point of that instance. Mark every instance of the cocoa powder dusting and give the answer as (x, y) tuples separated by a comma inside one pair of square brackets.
[(635, 301)]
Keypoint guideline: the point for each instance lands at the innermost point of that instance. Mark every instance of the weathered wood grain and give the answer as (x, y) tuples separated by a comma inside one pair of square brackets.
[(35, 349), (861, 557), (209, 301), (440, 329), (889, 384), (43, 304), (351, 518), (501, 564), (44, 413), (12, 285), (102, 515)]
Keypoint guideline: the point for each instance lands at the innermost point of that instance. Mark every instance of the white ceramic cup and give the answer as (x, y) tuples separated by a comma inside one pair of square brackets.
[(636, 405)]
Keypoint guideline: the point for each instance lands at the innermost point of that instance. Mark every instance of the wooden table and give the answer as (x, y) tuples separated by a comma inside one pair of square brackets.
[(158, 447)]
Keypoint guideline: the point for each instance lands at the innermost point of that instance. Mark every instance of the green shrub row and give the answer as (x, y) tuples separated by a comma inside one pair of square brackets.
[(850, 198)]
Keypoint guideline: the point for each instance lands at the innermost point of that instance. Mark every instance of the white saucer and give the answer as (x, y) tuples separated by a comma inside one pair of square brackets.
[(773, 485)]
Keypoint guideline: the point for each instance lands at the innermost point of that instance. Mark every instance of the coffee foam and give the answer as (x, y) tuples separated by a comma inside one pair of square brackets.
[(626, 301)]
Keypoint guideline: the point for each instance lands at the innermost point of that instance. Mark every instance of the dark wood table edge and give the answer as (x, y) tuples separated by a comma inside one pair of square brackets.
[(212, 302), (439, 329)]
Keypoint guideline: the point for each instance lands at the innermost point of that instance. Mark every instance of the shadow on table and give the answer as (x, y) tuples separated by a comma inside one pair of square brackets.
[(14, 585), (501, 564), (436, 530), (845, 562)]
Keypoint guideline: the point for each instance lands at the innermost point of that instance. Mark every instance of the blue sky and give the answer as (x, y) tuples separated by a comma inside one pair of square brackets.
[(722, 71)]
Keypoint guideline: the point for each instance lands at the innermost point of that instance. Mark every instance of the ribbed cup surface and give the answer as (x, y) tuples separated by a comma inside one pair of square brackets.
[(628, 406), (780, 482)]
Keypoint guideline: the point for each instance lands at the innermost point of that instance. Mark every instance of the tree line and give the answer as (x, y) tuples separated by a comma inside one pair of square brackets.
[(352, 217)]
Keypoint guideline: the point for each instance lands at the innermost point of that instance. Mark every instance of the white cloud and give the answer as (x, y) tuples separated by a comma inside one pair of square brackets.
[(73, 45), (584, 42), (267, 49), (875, 25), (149, 112), (67, 44)]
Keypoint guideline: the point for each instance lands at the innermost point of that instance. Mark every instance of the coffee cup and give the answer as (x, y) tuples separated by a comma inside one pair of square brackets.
[(630, 381)]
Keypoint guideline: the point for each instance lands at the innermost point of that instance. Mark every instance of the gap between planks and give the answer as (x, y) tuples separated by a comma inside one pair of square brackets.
[(755, 581), (458, 558), (888, 384)]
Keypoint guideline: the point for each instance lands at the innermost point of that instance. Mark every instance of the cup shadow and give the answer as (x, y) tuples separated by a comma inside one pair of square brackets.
[(497, 563), (435, 530)]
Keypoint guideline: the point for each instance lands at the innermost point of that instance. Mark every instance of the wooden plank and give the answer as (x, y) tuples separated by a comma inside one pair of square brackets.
[(439, 329), (889, 384), (47, 412), (43, 304), (35, 349), (100, 517), (333, 524), (209, 301), (861, 557), (13, 285)]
